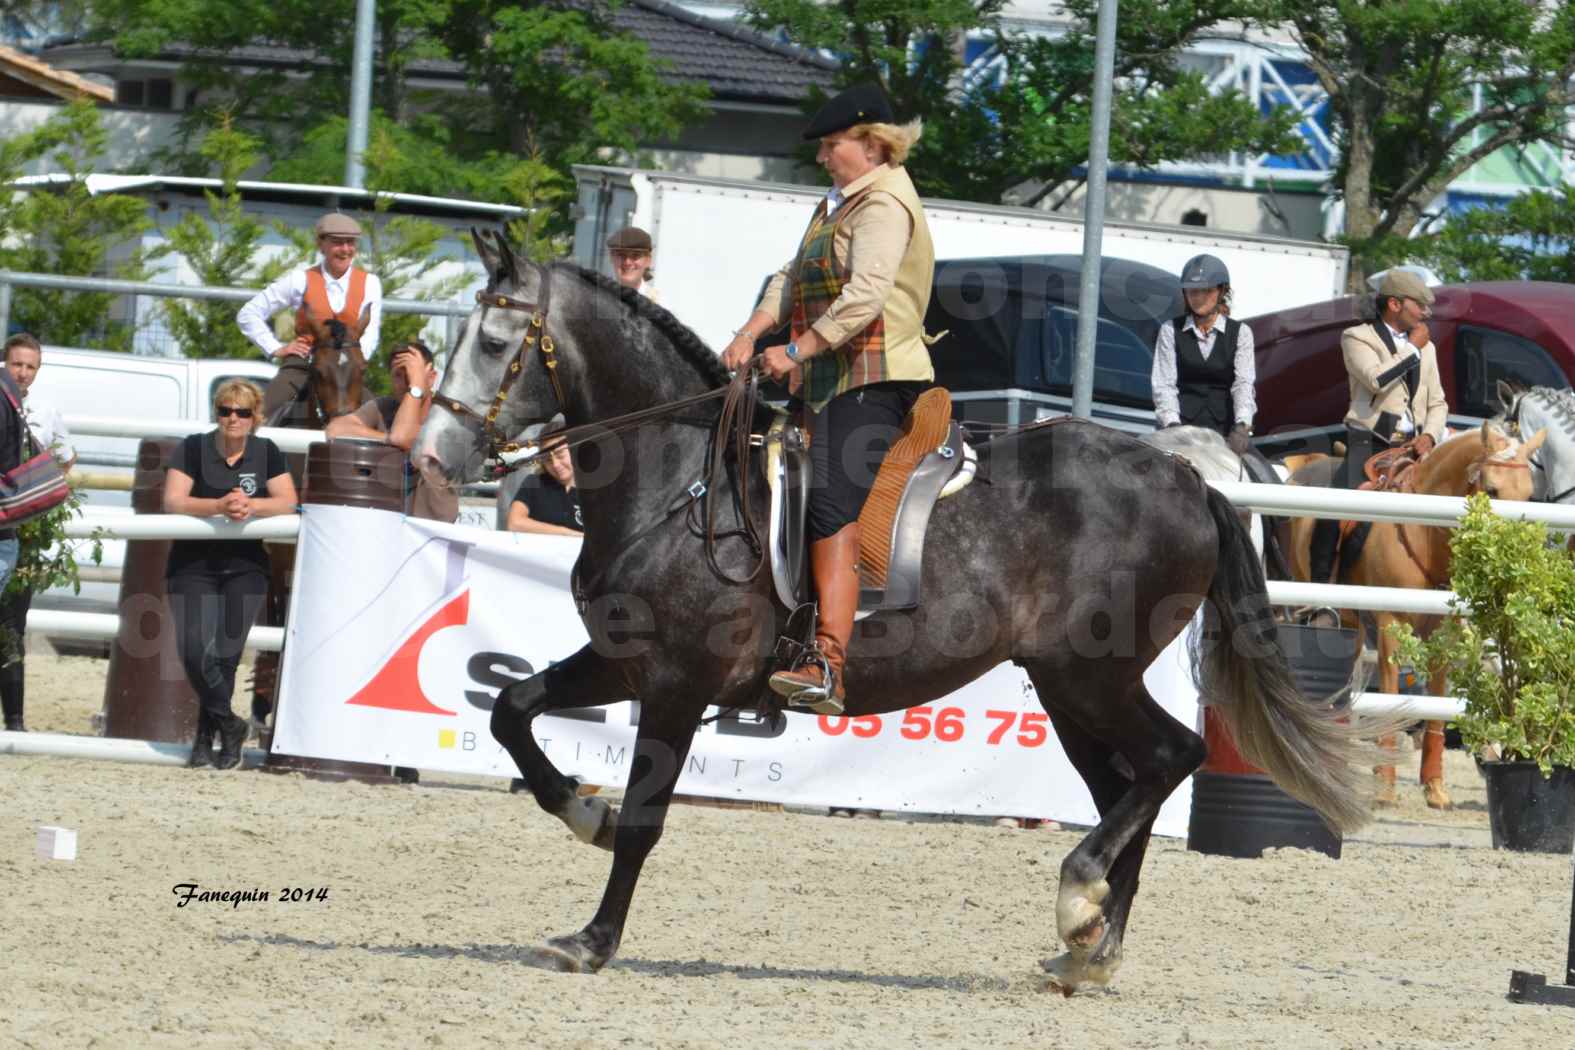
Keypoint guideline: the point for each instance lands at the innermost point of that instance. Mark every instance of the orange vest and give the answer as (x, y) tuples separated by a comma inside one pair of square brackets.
[(317, 298)]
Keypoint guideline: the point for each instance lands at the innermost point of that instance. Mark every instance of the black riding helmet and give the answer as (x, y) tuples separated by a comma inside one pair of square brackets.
[(1204, 271)]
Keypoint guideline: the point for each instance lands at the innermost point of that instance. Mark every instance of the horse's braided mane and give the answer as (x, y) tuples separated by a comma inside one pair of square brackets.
[(1559, 403), (689, 346)]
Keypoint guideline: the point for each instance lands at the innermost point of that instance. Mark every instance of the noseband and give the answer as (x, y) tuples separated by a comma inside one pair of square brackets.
[(535, 335)]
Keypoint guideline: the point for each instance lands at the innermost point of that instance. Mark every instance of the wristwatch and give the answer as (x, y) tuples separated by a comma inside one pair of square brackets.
[(792, 351), (417, 392)]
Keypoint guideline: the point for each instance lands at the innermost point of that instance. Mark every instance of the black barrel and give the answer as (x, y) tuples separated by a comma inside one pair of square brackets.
[(1237, 811), (147, 696), (348, 473)]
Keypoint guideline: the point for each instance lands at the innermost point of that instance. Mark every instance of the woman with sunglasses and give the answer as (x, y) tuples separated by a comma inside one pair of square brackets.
[(216, 587)]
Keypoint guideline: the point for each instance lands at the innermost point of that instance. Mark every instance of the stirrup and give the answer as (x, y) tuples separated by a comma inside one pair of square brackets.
[(820, 699)]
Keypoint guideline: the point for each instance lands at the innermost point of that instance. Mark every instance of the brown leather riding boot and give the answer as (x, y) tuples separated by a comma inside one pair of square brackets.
[(833, 562)]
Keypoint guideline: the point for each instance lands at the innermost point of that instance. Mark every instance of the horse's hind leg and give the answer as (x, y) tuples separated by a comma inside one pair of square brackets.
[(667, 726), (1131, 754), (585, 679)]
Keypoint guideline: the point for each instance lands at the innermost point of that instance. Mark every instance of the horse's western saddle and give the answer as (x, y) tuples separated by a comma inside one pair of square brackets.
[(929, 462)]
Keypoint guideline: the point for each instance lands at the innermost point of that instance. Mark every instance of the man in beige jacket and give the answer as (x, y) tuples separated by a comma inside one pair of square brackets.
[(1396, 395)]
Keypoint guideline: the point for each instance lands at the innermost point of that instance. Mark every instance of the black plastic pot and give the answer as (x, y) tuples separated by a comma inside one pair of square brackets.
[(1527, 811)]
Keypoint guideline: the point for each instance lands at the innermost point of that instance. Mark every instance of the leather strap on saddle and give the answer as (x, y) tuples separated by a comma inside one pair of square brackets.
[(1389, 470)]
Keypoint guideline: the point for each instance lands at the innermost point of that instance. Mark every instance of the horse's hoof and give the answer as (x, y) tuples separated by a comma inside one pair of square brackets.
[(1436, 795), (570, 955), (593, 820), (1070, 970)]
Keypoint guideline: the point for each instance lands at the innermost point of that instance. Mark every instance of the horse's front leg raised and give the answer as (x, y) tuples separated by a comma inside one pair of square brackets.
[(586, 679), (667, 727)]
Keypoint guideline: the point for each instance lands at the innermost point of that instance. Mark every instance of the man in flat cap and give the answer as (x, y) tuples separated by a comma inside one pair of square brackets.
[(856, 294), (630, 252), (334, 288), (1396, 395)]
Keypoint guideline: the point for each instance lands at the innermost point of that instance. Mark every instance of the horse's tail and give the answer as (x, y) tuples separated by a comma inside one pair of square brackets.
[(1241, 671)]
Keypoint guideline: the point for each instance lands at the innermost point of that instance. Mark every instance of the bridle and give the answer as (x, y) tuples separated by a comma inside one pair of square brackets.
[(535, 336), (732, 427)]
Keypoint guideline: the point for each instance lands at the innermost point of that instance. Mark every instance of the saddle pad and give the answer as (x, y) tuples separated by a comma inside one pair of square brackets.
[(922, 433)]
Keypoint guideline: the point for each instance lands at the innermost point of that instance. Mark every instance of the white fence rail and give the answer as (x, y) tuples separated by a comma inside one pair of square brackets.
[(1281, 500), (288, 439)]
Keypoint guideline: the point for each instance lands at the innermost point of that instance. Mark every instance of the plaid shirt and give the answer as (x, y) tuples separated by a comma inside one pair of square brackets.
[(859, 362)]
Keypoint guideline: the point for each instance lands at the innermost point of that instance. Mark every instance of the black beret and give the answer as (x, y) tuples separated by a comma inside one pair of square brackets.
[(860, 104), (630, 239)]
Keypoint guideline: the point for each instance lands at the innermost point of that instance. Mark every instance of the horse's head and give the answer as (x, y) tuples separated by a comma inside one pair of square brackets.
[(1553, 410), (337, 362), (1502, 468), (497, 380)]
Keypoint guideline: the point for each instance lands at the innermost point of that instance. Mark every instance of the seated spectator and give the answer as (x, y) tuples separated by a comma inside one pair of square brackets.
[(397, 419), (23, 357), (547, 502), (216, 587)]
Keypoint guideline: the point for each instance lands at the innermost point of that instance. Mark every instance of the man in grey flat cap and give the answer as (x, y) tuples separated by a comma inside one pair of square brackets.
[(630, 250), (335, 288), (1396, 395)]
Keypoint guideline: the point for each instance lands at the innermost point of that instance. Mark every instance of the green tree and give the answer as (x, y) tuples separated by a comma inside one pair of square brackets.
[(67, 230), (1403, 81), (1028, 123), (1532, 237), (222, 250)]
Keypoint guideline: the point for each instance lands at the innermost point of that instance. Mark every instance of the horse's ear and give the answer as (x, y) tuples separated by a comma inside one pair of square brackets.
[(509, 263), (1532, 445), (487, 254), (1507, 393)]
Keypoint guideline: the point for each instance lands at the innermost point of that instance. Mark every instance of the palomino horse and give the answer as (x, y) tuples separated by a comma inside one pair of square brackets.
[(1077, 553), (1486, 460), (333, 388)]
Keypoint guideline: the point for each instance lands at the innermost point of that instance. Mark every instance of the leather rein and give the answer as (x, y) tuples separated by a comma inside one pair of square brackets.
[(739, 400)]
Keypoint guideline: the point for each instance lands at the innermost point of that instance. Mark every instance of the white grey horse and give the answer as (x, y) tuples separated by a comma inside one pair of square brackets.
[(1553, 466)]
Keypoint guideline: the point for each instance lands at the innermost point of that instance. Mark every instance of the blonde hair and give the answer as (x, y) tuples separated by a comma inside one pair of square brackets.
[(895, 139), (241, 393)]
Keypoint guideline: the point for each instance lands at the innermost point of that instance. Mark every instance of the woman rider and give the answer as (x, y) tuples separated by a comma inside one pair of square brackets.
[(1204, 363), (856, 294)]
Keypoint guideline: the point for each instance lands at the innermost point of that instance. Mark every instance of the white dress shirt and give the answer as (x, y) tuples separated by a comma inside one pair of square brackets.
[(1405, 424), (286, 294), (49, 428), (1167, 398)]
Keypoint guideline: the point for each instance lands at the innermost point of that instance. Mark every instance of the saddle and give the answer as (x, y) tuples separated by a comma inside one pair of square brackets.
[(929, 462), (1387, 471)]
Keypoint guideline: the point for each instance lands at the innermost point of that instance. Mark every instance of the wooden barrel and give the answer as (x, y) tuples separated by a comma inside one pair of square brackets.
[(146, 695)]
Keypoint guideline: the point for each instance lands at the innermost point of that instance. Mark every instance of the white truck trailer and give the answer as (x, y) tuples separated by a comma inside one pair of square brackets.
[(716, 240)]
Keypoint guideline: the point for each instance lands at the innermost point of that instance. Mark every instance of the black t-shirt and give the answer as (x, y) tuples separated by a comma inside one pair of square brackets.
[(198, 457), (550, 502)]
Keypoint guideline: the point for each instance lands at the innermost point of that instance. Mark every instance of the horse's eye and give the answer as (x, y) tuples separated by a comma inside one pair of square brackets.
[(491, 345)]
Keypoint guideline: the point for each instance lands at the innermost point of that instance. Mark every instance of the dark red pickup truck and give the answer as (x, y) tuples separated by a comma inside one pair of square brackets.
[(1520, 331)]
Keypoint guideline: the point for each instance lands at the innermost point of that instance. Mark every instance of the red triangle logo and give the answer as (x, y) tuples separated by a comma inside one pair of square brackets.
[(397, 686)]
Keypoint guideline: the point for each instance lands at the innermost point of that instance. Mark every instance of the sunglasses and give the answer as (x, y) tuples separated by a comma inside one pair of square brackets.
[(226, 411)]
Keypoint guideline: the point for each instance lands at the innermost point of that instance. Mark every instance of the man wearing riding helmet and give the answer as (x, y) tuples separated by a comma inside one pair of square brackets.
[(856, 294), (1204, 368)]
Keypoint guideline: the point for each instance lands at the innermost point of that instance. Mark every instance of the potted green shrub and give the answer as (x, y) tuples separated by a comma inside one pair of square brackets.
[(1509, 652)]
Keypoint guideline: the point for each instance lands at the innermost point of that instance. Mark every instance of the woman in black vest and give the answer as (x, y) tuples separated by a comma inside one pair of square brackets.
[(216, 586), (1204, 368)]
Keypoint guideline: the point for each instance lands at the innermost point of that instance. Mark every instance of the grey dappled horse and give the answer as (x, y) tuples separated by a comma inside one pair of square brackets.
[(1543, 407), (1078, 553)]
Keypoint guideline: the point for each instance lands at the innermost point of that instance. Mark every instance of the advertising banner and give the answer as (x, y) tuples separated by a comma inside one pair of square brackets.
[(402, 632)]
